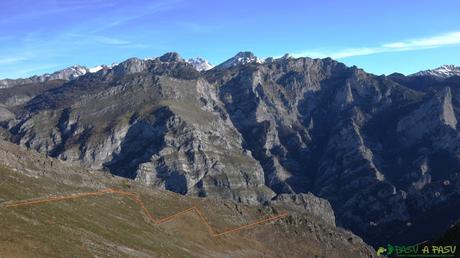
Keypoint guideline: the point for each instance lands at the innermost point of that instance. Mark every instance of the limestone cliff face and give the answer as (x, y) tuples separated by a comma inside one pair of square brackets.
[(308, 203), (435, 114), (141, 121), (383, 151)]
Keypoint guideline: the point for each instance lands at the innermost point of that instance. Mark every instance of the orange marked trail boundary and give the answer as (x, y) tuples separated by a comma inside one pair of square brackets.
[(137, 199)]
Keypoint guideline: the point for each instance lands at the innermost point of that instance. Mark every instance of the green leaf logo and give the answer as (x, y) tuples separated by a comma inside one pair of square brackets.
[(381, 251), (391, 249)]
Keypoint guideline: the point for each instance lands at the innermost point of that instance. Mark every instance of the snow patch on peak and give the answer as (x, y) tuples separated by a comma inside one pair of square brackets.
[(68, 73), (241, 58), (200, 64), (443, 72), (95, 69)]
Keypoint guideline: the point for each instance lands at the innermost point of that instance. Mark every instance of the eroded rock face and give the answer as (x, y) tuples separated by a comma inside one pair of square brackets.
[(383, 152), (306, 203), (435, 114), (316, 125), (144, 123)]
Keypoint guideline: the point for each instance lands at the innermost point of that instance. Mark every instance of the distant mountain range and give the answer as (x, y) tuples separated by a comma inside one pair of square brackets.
[(384, 151), (76, 71), (199, 64)]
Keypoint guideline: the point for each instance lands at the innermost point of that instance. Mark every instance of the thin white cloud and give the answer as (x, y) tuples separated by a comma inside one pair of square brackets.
[(137, 46), (198, 27), (446, 39), (78, 4), (12, 60), (452, 38), (110, 41), (150, 9), (45, 8), (91, 39)]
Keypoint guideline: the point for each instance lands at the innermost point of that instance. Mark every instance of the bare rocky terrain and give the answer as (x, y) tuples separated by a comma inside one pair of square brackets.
[(384, 151)]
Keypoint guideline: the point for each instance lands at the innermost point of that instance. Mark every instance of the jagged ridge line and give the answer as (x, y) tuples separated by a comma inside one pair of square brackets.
[(137, 199)]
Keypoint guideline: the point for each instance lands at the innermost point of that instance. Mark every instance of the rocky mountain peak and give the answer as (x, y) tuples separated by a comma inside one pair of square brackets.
[(96, 69), (68, 73), (171, 57), (241, 58), (442, 72), (130, 66), (286, 56), (200, 64)]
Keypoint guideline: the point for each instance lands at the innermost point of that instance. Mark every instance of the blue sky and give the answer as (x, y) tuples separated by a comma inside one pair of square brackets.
[(378, 36)]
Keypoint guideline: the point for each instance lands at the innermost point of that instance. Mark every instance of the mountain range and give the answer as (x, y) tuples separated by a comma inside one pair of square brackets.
[(384, 151), (76, 71)]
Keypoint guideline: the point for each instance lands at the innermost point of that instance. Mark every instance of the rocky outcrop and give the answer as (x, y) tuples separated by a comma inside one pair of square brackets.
[(241, 58), (306, 203), (434, 114), (200, 64)]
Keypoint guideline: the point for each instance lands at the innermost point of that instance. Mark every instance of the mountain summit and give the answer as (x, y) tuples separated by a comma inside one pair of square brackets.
[(171, 57), (443, 72), (241, 58), (200, 64)]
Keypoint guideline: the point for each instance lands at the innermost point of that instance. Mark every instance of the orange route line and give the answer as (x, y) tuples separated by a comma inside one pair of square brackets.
[(137, 199)]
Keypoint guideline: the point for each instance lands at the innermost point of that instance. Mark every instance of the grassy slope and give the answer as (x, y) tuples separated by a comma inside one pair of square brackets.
[(114, 226)]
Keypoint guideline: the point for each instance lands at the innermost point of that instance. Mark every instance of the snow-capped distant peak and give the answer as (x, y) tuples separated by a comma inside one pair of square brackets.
[(95, 69), (101, 67), (444, 71), (68, 73), (241, 58), (200, 64)]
